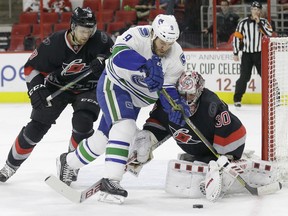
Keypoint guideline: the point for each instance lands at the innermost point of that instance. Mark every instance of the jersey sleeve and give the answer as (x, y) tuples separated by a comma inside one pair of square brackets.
[(238, 37), (265, 27), (47, 56), (230, 133), (42, 61), (125, 53)]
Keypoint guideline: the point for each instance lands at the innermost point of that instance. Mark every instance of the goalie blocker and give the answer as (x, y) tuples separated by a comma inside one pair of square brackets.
[(193, 179)]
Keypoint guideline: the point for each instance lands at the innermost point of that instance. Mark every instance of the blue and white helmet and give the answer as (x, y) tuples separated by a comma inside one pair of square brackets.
[(166, 28)]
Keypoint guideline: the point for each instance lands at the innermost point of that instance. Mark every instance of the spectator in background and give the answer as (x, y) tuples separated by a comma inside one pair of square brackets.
[(227, 21), (192, 16), (284, 4), (144, 7), (60, 6), (34, 6)]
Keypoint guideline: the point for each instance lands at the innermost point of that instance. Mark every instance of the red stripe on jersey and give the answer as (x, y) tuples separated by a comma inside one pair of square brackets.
[(28, 70), (236, 135), (20, 150), (152, 120), (73, 142)]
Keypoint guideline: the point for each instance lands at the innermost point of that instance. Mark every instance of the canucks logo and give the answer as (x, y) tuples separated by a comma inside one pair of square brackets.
[(144, 32), (138, 80), (182, 59), (160, 21)]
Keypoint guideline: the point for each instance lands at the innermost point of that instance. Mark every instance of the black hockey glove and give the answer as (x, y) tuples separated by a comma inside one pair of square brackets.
[(38, 95), (154, 74), (97, 66)]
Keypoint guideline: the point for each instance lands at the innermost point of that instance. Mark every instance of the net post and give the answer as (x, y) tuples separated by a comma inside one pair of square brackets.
[(264, 106)]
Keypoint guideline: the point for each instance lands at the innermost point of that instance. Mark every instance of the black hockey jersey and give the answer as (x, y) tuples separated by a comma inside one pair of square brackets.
[(55, 53), (214, 120)]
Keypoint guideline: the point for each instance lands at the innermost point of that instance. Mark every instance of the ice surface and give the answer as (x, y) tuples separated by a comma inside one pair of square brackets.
[(26, 194)]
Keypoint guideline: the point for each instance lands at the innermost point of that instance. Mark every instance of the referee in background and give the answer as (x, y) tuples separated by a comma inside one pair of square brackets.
[(248, 38)]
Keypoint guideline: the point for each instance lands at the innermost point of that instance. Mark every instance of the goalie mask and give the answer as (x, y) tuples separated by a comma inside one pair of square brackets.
[(190, 86)]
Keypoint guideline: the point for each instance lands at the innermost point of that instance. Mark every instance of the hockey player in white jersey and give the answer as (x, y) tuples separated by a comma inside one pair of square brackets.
[(144, 60)]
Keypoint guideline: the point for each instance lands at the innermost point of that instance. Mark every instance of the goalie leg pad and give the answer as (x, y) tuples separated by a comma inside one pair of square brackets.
[(255, 172), (183, 178), (262, 173)]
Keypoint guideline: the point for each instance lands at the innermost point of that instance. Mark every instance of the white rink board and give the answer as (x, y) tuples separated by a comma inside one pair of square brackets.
[(217, 67)]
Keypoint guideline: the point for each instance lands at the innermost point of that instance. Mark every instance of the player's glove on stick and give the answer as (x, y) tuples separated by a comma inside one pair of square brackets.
[(175, 116), (97, 66), (154, 74), (38, 95)]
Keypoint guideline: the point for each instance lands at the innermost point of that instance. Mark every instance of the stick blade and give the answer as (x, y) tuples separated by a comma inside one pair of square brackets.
[(63, 189), (269, 189)]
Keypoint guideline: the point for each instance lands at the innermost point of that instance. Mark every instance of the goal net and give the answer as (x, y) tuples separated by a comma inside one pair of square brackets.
[(275, 104)]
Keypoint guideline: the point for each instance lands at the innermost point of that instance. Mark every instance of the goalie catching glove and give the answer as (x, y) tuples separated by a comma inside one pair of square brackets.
[(154, 74), (175, 116)]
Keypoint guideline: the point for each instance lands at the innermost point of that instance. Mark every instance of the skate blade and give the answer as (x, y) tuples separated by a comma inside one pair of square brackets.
[(110, 198)]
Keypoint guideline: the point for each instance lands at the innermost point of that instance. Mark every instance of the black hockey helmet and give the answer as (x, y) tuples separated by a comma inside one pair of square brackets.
[(256, 4), (83, 17)]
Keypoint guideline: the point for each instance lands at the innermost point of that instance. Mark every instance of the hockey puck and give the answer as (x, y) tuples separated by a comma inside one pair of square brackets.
[(198, 206)]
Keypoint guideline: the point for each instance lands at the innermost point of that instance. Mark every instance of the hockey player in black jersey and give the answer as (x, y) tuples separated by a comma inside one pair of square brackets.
[(59, 60), (198, 172), (208, 113)]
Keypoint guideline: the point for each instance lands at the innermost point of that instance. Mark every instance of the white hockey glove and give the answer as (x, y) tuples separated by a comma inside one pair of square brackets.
[(141, 147), (213, 181)]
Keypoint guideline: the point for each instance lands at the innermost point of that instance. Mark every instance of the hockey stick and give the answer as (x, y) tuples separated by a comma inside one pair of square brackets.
[(259, 191), (79, 197), (73, 82), (72, 194)]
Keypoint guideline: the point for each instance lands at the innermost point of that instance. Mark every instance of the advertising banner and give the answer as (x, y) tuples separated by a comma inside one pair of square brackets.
[(218, 68)]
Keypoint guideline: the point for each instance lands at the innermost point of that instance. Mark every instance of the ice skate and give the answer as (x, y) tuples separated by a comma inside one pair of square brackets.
[(6, 172), (65, 173), (111, 191)]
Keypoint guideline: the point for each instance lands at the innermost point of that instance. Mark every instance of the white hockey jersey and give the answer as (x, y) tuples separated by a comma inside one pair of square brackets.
[(131, 50)]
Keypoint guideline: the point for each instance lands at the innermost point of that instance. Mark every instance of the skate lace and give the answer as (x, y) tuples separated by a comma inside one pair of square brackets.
[(68, 173), (7, 171), (115, 184)]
